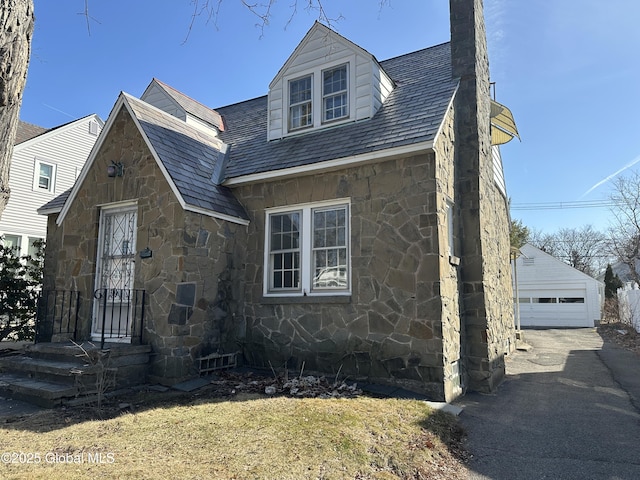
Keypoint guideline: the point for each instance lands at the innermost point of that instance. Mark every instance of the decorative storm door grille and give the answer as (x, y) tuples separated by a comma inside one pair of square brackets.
[(115, 274)]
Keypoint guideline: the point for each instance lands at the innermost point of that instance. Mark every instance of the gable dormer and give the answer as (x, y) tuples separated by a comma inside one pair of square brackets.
[(176, 103), (326, 81)]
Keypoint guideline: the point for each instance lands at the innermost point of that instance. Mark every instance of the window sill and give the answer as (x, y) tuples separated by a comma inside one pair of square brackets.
[(306, 299), (453, 260)]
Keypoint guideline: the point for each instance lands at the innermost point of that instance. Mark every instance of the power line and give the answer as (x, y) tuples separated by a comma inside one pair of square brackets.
[(564, 205)]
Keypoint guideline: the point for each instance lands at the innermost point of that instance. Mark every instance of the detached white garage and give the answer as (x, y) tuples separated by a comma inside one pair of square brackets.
[(551, 293)]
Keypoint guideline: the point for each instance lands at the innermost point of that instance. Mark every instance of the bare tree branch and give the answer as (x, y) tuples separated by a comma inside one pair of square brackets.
[(87, 16)]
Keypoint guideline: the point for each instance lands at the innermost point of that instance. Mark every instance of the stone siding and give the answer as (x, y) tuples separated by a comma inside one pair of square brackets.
[(484, 237), (391, 328), (192, 279)]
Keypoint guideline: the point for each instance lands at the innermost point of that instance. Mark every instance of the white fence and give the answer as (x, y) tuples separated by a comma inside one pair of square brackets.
[(629, 304)]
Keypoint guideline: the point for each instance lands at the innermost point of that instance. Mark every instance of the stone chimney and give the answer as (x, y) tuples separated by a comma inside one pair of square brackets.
[(482, 212)]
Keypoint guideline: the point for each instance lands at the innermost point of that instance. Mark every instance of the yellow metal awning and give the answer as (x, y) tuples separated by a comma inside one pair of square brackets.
[(503, 126)]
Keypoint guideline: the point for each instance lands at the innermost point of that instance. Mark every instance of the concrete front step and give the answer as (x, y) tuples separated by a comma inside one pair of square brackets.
[(119, 353), (42, 368), (49, 374), (38, 392)]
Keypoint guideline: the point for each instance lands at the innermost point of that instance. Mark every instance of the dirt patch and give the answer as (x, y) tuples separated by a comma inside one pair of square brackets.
[(621, 334)]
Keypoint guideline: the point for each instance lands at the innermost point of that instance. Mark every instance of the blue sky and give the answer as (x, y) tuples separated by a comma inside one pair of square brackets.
[(568, 69)]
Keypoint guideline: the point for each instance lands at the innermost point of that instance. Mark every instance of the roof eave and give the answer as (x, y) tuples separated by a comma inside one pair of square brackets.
[(330, 165)]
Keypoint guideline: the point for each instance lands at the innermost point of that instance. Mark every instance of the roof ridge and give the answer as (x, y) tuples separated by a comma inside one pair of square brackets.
[(171, 89)]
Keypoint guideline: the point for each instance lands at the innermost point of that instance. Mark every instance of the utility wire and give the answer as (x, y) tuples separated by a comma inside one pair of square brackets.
[(563, 205)]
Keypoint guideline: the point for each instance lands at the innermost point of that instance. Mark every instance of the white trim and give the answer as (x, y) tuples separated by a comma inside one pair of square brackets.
[(55, 130), (49, 211), (446, 112), (349, 91), (174, 188), (37, 163), (90, 160), (219, 216), (331, 36), (123, 205), (306, 250), (329, 165), (317, 105)]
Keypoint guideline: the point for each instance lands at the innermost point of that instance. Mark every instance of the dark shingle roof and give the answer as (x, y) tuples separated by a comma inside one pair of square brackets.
[(412, 113), (54, 205), (193, 158), (190, 157), (27, 131)]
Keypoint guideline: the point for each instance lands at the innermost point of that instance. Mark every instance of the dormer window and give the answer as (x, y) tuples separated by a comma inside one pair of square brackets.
[(329, 88), (300, 113), (335, 98), (326, 82)]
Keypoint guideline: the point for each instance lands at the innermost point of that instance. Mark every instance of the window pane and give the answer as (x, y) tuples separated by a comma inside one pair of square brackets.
[(334, 93), (335, 80), (284, 247), (286, 270), (571, 300), (300, 103), (330, 248), (31, 249), (44, 178), (300, 90), (12, 241)]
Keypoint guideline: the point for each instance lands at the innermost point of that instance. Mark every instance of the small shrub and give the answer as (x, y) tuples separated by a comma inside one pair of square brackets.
[(20, 286)]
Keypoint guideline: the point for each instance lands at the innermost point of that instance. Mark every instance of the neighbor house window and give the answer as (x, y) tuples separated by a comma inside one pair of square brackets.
[(335, 102), (33, 249), (308, 250), (44, 176), (300, 112), (12, 241)]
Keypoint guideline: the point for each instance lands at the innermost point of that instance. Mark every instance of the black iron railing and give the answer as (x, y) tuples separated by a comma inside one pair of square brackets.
[(119, 314), (57, 314)]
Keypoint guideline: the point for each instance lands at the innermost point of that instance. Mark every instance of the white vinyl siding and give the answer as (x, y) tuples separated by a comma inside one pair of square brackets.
[(553, 294), (322, 50), (67, 147), (498, 171), (158, 98)]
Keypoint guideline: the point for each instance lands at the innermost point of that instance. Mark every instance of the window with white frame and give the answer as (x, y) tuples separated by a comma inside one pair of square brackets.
[(32, 248), (300, 112), (44, 176), (307, 250), (12, 241), (335, 99), (320, 96)]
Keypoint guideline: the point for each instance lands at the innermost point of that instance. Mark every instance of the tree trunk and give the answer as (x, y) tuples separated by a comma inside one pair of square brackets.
[(16, 29)]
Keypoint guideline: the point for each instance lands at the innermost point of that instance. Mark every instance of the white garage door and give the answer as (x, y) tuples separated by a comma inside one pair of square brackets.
[(554, 308)]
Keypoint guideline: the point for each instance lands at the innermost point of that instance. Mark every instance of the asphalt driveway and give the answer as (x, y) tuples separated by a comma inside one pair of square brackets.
[(569, 409)]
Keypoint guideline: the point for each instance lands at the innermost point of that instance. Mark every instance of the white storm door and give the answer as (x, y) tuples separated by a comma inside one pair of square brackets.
[(115, 273)]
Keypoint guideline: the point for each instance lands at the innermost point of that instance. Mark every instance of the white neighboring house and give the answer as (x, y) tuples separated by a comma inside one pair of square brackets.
[(554, 294), (45, 163)]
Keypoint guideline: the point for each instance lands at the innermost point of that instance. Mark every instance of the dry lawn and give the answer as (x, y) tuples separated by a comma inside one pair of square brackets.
[(242, 437)]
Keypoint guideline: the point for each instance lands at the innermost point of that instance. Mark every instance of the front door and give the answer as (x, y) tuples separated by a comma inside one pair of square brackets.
[(112, 310)]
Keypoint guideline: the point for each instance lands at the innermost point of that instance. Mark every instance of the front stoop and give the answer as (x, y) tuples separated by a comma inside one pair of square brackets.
[(51, 374)]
